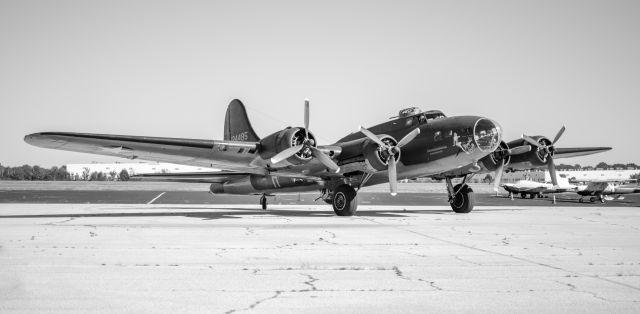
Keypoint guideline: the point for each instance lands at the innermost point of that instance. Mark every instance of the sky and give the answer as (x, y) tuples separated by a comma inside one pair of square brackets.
[(170, 68)]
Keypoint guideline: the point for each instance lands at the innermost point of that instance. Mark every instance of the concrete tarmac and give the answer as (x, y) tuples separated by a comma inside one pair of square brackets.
[(365, 198), (225, 258)]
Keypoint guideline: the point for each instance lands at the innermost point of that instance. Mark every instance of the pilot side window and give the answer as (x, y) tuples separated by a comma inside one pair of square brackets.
[(437, 136)]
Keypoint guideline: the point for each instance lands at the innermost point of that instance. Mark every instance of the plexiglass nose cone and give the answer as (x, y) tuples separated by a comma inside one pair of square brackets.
[(487, 135)]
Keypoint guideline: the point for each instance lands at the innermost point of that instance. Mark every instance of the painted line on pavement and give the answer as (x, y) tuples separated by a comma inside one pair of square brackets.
[(157, 197)]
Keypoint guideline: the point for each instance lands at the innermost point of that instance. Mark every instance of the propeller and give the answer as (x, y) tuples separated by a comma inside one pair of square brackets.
[(307, 144), (547, 151), (390, 152), (502, 155)]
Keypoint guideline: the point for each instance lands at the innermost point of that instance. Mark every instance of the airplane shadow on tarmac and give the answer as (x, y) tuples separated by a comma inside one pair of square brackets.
[(238, 213)]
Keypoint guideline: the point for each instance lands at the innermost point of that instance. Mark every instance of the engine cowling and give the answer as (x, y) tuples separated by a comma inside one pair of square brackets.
[(532, 159), (493, 161), (287, 138)]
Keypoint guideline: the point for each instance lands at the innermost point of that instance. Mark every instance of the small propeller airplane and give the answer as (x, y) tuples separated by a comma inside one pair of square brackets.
[(411, 145), (532, 188), (603, 190)]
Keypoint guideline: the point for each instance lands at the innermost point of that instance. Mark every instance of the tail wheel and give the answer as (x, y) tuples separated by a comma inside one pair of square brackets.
[(345, 200), (464, 199)]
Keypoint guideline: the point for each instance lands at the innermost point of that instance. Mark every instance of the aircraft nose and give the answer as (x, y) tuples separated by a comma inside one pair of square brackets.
[(487, 134)]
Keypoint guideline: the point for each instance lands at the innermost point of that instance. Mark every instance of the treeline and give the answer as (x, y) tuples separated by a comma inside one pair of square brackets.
[(37, 173)]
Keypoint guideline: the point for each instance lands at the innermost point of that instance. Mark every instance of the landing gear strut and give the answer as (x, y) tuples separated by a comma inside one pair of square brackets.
[(263, 201), (345, 200), (460, 196)]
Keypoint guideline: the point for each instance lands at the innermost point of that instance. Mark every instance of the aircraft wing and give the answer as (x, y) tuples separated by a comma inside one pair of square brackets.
[(191, 177), (227, 155), (578, 151)]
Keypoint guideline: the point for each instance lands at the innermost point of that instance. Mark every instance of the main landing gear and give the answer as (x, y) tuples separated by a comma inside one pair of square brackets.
[(344, 200), (461, 196), (593, 199), (263, 201)]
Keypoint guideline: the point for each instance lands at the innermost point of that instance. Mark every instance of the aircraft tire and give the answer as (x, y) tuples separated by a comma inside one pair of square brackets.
[(463, 201), (263, 202), (345, 200)]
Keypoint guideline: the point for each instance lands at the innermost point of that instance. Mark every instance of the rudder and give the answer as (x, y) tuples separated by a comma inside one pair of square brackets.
[(236, 124)]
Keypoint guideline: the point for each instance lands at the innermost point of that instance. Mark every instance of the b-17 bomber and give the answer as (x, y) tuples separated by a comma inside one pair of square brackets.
[(413, 144)]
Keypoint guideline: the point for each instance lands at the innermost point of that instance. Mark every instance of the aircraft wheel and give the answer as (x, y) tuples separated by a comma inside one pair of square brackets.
[(463, 201), (523, 195), (345, 200), (592, 199), (263, 202)]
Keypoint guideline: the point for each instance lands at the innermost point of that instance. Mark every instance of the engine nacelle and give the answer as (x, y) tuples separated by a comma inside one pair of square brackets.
[(281, 140), (364, 155), (533, 159), (492, 161)]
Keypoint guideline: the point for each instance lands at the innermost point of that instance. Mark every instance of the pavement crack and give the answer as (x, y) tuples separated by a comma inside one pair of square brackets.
[(401, 275), (256, 303), (310, 283)]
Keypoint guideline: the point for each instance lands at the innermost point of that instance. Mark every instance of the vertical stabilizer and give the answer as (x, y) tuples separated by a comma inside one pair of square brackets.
[(236, 124)]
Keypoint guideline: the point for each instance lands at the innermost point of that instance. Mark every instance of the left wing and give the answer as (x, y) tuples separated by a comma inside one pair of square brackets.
[(578, 151), (229, 155)]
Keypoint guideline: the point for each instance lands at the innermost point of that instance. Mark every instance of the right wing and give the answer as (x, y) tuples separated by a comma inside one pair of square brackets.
[(229, 155)]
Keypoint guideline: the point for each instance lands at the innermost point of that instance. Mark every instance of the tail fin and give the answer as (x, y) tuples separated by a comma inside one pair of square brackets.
[(236, 124)]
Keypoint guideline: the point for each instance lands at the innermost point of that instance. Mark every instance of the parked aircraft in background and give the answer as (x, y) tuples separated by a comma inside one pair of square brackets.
[(605, 191), (413, 144), (532, 188)]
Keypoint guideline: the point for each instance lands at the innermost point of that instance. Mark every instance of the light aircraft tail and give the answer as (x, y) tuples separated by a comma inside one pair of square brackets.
[(236, 124)]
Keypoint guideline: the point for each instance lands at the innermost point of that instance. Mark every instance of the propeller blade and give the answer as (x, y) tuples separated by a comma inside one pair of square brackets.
[(558, 135), (408, 138), (531, 141), (519, 150), (373, 137), (393, 176), (325, 160), (286, 154), (552, 171), (306, 118), (498, 178)]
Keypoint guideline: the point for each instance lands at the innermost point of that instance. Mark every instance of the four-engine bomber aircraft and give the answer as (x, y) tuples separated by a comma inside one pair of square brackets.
[(413, 144)]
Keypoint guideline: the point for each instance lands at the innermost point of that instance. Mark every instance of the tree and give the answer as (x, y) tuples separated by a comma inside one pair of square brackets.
[(86, 173), (113, 175), (602, 165), (124, 175)]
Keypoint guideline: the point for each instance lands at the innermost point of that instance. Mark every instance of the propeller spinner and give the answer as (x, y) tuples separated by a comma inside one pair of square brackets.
[(307, 144)]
